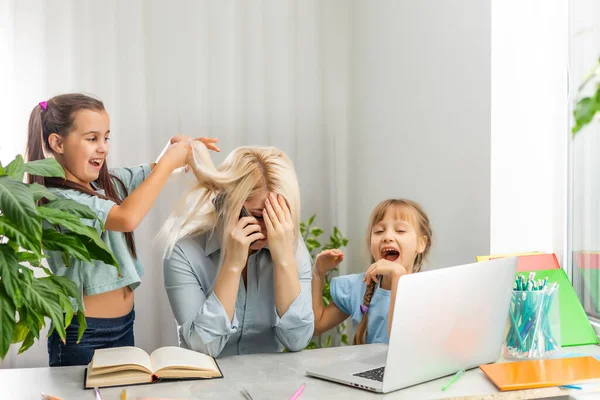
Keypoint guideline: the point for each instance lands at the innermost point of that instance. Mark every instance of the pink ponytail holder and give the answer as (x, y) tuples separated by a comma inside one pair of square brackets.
[(44, 105)]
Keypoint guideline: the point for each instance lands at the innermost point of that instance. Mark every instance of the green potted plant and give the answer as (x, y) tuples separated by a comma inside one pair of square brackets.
[(311, 235), (32, 220)]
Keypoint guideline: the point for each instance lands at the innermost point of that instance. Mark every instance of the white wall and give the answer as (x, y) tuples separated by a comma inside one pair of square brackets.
[(529, 125), (421, 126)]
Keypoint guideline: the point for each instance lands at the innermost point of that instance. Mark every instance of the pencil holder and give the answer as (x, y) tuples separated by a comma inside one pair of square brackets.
[(533, 325)]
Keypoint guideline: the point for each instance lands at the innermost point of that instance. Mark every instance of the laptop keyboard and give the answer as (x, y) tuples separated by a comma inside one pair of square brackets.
[(373, 374)]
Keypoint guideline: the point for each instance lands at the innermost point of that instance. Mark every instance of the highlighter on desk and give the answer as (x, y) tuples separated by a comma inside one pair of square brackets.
[(49, 397), (453, 380), (298, 392)]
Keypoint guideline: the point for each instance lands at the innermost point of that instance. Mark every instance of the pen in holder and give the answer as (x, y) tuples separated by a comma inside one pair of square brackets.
[(534, 320)]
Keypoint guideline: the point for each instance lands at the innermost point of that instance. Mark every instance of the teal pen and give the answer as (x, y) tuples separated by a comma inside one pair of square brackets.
[(453, 380), (571, 387)]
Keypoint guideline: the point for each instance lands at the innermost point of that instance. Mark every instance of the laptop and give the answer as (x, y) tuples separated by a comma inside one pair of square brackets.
[(445, 320)]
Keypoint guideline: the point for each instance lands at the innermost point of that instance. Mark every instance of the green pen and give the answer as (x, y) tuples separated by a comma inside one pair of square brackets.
[(453, 379)]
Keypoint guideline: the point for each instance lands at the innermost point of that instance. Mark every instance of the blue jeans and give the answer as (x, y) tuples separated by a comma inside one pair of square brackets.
[(101, 333)]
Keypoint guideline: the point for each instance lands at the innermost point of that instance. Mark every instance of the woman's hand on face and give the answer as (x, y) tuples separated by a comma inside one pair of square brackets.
[(280, 230), (243, 233), (384, 267), (328, 260), (208, 142)]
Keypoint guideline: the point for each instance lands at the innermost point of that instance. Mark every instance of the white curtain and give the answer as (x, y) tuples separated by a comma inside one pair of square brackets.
[(269, 72)]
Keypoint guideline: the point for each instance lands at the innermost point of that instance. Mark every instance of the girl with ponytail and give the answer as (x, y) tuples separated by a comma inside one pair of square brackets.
[(75, 130), (399, 238), (236, 272)]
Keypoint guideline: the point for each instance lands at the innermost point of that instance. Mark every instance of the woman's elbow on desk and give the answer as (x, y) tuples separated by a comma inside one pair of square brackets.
[(298, 338), (194, 341), (212, 349)]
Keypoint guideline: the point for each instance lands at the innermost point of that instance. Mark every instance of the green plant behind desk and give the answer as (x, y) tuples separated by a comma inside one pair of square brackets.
[(311, 235), (587, 107), (32, 220)]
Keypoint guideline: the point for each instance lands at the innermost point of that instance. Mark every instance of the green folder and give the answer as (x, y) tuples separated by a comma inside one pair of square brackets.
[(575, 327)]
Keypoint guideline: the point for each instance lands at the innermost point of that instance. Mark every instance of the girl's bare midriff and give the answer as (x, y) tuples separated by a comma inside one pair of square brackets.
[(113, 304)]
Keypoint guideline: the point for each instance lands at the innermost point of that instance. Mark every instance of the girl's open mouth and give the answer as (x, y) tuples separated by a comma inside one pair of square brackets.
[(96, 163), (390, 254)]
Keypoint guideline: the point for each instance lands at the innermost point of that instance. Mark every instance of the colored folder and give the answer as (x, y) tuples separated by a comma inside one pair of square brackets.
[(575, 327), (528, 261), (532, 374)]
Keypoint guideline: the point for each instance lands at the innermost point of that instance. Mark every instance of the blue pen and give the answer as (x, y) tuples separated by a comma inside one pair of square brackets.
[(571, 387)]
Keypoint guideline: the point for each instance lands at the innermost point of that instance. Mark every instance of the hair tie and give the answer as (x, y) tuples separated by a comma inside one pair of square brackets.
[(44, 105), (364, 309)]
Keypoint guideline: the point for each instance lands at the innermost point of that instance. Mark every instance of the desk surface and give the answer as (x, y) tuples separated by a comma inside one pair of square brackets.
[(265, 376)]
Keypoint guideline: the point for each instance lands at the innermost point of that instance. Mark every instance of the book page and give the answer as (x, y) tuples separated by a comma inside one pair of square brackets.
[(176, 357), (121, 356), (117, 379)]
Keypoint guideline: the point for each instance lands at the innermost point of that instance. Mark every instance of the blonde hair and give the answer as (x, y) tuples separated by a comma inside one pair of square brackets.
[(416, 216), (245, 171)]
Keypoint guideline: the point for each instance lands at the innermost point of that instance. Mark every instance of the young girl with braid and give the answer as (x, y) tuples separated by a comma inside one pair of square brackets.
[(399, 238)]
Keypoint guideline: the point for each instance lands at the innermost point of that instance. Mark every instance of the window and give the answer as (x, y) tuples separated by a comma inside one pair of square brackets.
[(584, 157)]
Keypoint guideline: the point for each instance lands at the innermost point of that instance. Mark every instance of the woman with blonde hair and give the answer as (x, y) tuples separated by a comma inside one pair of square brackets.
[(236, 272)]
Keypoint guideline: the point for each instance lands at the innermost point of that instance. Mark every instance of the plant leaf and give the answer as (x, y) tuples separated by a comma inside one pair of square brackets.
[(74, 208), (316, 231), (16, 202), (97, 248), (313, 242), (47, 167), (311, 220), (584, 112), (345, 339), (69, 289), (86, 234), (9, 274), (69, 244), (63, 218), (42, 295), (311, 345), (15, 169), (20, 332), (82, 323), (28, 342), (7, 321), (40, 192), (31, 258), (34, 319), (12, 232)]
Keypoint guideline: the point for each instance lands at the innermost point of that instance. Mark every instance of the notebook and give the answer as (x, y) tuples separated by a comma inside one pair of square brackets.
[(119, 366), (532, 374)]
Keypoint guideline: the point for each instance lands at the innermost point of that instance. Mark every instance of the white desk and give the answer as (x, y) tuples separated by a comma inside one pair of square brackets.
[(265, 376)]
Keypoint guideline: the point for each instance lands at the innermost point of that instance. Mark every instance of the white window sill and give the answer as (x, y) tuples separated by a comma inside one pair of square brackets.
[(596, 325)]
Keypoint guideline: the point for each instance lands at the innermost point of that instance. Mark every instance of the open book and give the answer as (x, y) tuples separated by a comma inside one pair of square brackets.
[(119, 366)]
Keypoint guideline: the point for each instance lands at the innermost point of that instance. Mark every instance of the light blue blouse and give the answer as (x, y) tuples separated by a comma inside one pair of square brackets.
[(347, 293), (202, 322)]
